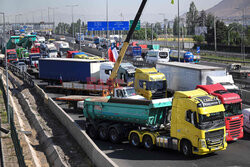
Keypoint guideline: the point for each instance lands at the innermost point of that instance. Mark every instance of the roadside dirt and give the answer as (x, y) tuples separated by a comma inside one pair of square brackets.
[(69, 151)]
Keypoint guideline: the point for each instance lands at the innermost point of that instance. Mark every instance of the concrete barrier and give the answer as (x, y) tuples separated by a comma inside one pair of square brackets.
[(94, 153)]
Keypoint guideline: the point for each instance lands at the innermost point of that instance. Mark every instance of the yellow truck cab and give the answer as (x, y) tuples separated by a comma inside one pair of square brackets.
[(150, 83), (197, 121)]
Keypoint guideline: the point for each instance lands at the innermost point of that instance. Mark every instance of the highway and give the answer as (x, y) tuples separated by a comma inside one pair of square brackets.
[(237, 153)]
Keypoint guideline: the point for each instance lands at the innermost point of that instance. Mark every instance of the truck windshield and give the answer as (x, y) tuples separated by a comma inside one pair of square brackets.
[(234, 91), (130, 92), (64, 49), (131, 75), (34, 58), (52, 51), (211, 121), (163, 55), (156, 85), (232, 109), (12, 56)]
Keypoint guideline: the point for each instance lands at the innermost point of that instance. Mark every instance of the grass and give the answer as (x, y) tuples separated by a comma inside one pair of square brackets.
[(206, 55), (175, 39)]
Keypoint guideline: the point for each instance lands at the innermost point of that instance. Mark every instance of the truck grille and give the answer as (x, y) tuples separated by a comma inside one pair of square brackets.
[(236, 124), (235, 133), (158, 95), (214, 138)]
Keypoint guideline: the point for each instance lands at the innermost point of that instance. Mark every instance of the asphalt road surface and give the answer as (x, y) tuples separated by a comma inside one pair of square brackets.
[(125, 155)]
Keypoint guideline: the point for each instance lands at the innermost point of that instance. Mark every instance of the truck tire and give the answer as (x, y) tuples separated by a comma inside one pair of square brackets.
[(92, 132), (148, 142), (114, 136), (134, 140), (186, 148), (103, 132)]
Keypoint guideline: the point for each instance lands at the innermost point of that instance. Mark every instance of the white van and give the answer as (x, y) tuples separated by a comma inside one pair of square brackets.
[(154, 56)]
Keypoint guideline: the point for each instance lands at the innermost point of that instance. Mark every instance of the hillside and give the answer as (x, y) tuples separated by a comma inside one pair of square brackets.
[(230, 8)]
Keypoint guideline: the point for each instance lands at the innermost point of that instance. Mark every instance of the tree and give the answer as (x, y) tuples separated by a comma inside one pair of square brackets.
[(158, 29), (140, 34), (62, 28), (221, 33), (202, 18), (191, 19), (198, 39), (175, 26), (209, 21), (169, 30)]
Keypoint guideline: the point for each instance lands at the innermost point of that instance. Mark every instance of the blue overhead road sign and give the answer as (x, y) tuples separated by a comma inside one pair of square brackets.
[(102, 25)]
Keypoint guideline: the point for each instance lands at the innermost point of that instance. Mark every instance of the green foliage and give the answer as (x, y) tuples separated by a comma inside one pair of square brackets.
[(199, 39), (191, 19), (140, 34), (175, 26), (221, 33)]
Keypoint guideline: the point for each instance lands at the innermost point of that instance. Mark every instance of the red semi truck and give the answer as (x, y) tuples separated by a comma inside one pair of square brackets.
[(233, 106), (11, 55)]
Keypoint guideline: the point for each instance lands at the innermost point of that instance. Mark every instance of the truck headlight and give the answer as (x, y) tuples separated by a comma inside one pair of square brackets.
[(202, 143)]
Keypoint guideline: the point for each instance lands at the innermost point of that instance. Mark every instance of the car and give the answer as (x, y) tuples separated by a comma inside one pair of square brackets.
[(62, 38), (72, 41), (137, 58), (90, 45)]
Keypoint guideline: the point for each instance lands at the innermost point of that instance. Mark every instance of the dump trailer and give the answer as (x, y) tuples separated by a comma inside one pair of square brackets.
[(185, 76), (196, 126), (65, 69)]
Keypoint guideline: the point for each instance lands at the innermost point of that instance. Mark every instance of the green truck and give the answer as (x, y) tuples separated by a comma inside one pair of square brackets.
[(194, 124)]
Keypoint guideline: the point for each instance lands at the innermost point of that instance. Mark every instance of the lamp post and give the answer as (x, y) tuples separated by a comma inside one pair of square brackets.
[(73, 29), (107, 17), (178, 31), (6, 67), (242, 34), (215, 39)]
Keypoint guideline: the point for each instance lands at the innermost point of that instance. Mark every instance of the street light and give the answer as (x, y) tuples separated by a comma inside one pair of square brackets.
[(178, 31), (73, 29), (107, 17), (242, 34), (6, 66)]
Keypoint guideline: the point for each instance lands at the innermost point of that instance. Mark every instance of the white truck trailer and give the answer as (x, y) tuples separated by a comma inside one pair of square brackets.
[(186, 76)]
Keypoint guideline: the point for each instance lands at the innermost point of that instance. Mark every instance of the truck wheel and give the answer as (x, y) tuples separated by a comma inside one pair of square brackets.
[(134, 139), (186, 148), (92, 132), (103, 133), (148, 142), (114, 136)]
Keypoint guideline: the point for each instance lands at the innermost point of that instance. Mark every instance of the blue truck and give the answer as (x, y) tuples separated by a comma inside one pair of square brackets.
[(185, 56), (56, 69)]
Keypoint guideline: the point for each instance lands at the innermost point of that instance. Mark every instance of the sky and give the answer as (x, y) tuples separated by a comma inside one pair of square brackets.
[(95, 10)]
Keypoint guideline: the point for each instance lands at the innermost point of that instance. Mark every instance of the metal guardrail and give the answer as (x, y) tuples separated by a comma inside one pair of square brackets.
[(24, 75), (13, 132)]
